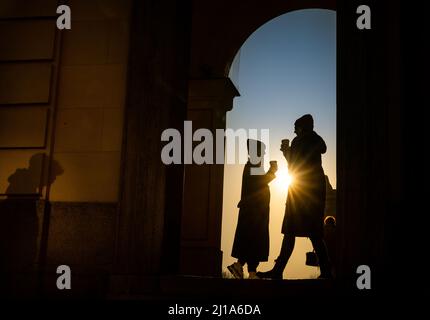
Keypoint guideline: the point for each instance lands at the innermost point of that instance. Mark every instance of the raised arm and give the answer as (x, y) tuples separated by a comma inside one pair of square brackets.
[(287, 154)]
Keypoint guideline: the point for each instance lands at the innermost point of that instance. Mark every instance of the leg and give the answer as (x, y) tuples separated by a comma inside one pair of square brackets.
[(286, 250), (252, 266), (252, 269), (323, 259)]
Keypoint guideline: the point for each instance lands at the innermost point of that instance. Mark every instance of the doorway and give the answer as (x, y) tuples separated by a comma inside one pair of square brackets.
[(285, 69)]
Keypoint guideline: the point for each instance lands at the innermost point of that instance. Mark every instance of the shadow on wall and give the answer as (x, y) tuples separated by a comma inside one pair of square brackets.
[(19, 224)]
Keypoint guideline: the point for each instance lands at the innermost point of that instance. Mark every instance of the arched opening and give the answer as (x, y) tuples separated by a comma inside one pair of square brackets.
[(285, 69)]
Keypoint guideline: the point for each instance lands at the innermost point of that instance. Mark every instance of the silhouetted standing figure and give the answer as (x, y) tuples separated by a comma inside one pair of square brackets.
[(19, 231), (251, 241), (304, 211)]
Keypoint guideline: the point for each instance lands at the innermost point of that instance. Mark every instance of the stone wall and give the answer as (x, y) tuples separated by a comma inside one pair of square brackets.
[(62, 101)]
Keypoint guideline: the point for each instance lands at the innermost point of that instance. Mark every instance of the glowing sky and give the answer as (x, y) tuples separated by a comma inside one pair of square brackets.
[(285, 69)]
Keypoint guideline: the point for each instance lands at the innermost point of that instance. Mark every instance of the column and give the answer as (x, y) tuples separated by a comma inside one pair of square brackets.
[(208, 102)]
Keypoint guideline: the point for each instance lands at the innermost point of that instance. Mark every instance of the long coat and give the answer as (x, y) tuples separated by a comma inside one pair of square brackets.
[(304, 211), (251, 240)]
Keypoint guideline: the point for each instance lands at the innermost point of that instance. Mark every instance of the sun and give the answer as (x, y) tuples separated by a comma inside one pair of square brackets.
[(283, 179)]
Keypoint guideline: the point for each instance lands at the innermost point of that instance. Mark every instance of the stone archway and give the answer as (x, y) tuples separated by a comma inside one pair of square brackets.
[(369, 126), (211, 95)]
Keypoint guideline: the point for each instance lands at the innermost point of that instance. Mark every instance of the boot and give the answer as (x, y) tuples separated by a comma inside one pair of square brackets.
[(236, 270), (275, 273), (323, 259)]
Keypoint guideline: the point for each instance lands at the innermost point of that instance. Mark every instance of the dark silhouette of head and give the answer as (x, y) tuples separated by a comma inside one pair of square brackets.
[(330, 221), (304, 124), (256, 150), (29, 180), (36, 161)]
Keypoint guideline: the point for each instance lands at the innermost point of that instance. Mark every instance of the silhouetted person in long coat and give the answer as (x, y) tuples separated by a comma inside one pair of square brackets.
[(251, 241), (304, 211)]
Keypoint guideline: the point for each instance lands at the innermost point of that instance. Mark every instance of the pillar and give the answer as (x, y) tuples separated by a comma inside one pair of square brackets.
[(208, 102)]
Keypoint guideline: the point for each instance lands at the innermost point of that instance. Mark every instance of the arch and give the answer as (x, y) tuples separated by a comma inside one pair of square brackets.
[(275, 59), (234, 52), (214, 46)]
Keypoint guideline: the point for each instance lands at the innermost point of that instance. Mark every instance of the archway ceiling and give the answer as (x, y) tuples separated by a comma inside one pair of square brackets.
[(220, 27)]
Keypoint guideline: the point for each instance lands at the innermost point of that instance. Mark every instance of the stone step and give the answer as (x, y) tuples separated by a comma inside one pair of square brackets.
[(220, 288)]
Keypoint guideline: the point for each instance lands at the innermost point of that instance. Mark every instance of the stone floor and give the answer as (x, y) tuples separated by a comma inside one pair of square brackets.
[(211, 289)]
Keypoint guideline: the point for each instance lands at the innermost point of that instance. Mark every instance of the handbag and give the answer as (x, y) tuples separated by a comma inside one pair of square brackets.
[(312, 259)]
